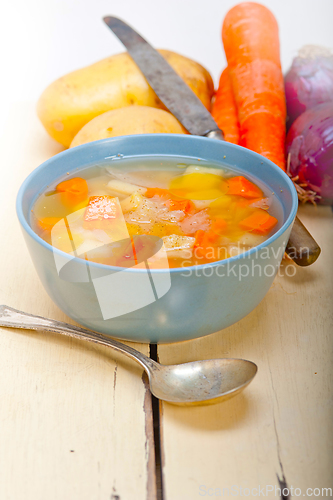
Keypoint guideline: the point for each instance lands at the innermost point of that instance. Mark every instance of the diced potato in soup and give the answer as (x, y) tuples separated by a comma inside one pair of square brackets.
[(202, 212)]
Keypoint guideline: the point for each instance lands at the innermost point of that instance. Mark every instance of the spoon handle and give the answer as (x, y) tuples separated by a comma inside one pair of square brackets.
[(13, 318)]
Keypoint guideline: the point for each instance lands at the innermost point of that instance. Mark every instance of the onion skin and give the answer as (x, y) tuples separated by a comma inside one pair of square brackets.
[(309, 146), (309, 81)]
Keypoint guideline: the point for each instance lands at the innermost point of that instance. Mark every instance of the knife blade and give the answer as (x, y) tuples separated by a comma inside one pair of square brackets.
[(182, 102)]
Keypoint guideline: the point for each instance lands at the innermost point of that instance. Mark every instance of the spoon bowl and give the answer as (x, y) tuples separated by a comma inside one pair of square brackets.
[(209, 381), (206, 381)]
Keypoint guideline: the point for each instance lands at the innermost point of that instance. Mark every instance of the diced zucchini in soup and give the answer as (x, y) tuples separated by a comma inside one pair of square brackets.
[(131, 202), (124, 187)]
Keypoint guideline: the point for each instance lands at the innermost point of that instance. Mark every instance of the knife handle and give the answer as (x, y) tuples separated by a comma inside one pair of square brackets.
[(302, 248)]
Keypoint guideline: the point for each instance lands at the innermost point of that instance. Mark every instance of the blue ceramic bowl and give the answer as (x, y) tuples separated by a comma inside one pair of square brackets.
[(177, 304)]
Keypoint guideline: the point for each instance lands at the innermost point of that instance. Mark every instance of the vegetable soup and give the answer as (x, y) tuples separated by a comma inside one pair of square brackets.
[(202, 212)]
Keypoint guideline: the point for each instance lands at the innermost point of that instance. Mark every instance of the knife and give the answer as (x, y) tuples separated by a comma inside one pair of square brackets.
[(181, 101), (167, 84)]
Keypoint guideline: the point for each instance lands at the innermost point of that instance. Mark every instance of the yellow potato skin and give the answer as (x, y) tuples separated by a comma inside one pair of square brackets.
[(115, 82), (127, 121)]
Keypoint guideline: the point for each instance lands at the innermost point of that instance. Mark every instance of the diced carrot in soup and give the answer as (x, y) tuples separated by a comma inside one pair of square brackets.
[(199, 214), (240, 186), (219, 225), (75, 186), (47, 223), (74, 192), (164, 193), (186, 206), (259, 222), (204, 246)]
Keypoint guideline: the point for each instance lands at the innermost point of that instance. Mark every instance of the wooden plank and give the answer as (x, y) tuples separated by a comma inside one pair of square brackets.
[(75, 418), (281, 426)]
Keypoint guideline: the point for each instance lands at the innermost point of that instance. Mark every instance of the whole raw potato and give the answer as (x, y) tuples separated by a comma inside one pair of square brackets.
[(115, 82), (128, 121)]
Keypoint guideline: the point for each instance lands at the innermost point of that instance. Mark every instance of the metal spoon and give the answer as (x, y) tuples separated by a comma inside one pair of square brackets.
[(208, 381)]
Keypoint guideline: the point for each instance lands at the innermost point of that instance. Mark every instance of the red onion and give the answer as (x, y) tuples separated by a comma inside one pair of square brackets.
[(309, 81), (309, 147)]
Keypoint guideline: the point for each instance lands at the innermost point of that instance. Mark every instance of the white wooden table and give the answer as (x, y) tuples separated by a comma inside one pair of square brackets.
[(76, 419)]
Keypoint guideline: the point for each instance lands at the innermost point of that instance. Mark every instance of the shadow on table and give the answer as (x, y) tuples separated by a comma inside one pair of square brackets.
[(221, 416)]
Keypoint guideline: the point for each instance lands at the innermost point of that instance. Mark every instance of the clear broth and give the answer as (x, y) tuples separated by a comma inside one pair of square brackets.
[(151, 172)]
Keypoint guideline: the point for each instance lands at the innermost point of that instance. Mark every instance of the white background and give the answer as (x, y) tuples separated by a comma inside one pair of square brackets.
[(42, 40)]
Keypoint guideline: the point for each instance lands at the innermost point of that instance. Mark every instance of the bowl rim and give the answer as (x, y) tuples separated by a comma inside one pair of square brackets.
[(199, 267)]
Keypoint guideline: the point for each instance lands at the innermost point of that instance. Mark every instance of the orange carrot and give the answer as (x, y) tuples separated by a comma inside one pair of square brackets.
[(260, 222), (251, 43), (47, 223), (73, 191), (224, 109), (199, 237), (76, 186), (157, 192), (218, 225), (186, 206), (203, 248), (241, 186)]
